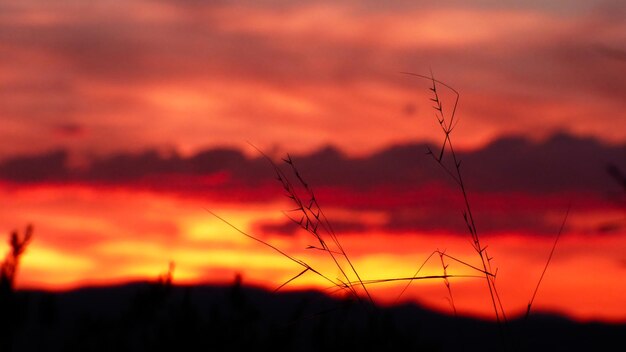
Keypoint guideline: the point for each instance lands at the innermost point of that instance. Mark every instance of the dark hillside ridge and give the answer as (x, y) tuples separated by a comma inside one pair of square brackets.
[(158, 317)]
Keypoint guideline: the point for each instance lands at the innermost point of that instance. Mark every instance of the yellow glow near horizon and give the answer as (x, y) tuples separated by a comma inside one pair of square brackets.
[(48, 259), (204, 249)]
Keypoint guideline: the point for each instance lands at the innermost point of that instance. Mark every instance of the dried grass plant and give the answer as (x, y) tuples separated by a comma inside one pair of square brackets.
[(308, 215)]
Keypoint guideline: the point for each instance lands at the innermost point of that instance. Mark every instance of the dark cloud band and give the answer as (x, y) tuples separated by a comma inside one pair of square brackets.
[(562, 163)]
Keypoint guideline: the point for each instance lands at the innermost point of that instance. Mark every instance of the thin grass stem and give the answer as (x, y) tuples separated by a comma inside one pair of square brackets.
[(556, 240)]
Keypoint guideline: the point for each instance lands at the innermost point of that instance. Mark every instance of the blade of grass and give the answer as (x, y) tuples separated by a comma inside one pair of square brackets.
[(312, 219), (556, 240), (293, 259), (447, 124)]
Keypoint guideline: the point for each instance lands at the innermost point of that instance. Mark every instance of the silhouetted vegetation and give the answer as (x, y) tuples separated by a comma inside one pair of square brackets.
[(11, 305), (153, 316)]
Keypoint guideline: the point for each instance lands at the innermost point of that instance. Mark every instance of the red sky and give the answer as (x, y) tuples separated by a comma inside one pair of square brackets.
[(122, 121)]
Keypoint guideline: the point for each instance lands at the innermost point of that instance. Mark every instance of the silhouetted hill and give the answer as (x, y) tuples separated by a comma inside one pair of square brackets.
[(159, 317)]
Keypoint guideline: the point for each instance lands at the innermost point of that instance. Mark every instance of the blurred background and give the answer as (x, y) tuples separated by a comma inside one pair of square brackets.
[(121, 122)]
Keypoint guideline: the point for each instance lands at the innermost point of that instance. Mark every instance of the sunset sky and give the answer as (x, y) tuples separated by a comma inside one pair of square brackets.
[(123, 122)]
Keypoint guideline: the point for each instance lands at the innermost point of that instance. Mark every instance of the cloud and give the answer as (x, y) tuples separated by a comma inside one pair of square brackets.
[(561, 162), (48, 167), (191, 74), (289, 227), (559, 165), (69, 130), (425, 219)]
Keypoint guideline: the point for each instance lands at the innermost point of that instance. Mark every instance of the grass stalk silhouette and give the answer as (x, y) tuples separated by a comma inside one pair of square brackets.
[(300, 262), (8, 269), (11, 311), (556, 241), (309, 216), (448, 122), (313, 220), (446, 281)]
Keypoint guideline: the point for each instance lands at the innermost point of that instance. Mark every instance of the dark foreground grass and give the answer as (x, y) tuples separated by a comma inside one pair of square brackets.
[(159, 316)]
